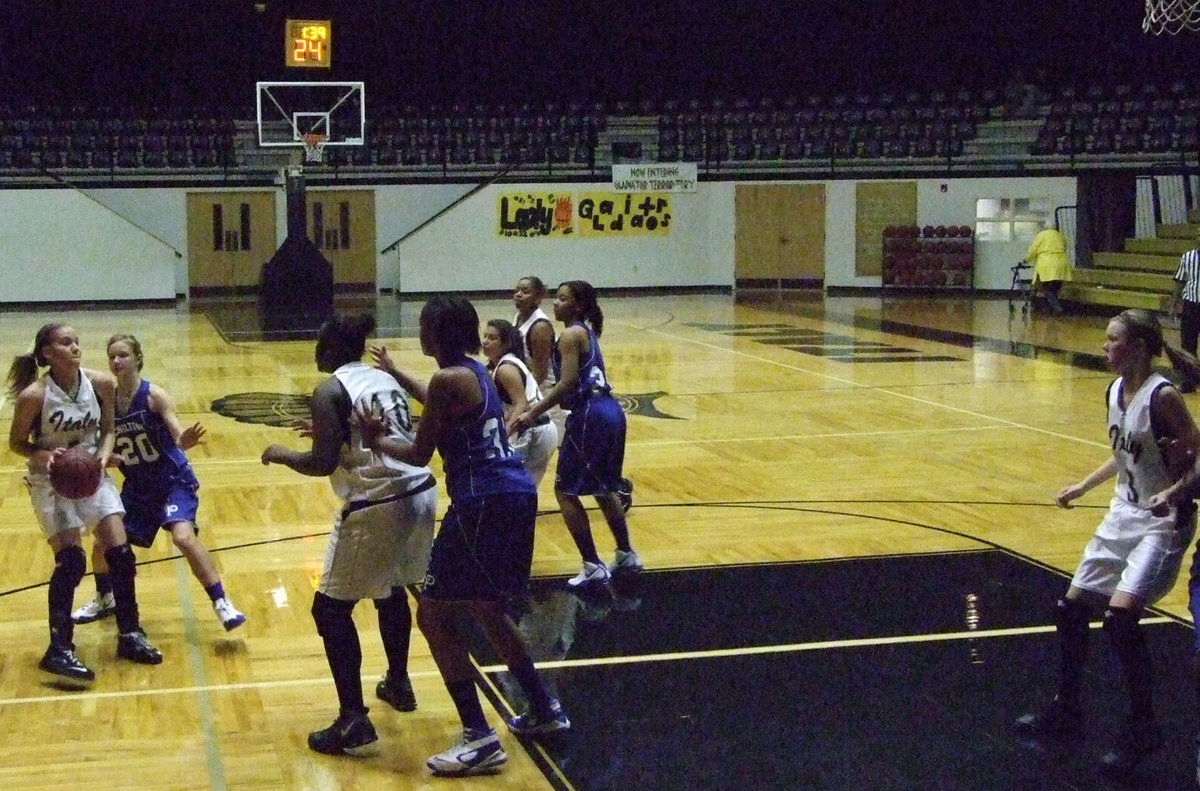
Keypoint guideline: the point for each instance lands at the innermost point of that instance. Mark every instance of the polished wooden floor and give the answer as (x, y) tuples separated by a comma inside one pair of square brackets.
[(764, 431)]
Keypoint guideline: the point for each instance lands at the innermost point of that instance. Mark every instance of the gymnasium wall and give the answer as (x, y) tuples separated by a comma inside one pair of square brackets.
[(120, 244)]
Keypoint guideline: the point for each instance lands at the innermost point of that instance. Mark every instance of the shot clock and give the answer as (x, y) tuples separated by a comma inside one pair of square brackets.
[(307, 43)]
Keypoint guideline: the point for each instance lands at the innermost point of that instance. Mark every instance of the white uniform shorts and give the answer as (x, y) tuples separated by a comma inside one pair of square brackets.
[(1143, 560), (57, 514), (377, 546), (535, 446)]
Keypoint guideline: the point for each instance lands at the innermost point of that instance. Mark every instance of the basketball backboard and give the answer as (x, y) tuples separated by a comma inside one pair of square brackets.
[(288, 111)]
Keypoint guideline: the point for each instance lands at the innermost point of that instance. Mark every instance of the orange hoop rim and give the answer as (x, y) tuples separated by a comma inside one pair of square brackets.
[(314, 143)]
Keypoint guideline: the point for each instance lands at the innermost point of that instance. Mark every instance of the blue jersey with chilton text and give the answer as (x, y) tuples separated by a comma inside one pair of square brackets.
[(145, 450)]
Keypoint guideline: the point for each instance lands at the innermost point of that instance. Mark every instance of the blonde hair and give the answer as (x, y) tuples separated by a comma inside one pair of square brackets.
[(1143, 325), (134, 344)]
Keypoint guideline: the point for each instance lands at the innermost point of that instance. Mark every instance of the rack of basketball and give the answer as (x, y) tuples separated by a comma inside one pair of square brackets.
[(930, 257)]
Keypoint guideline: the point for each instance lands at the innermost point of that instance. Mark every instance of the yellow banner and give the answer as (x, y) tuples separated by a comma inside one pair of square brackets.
[(624, 214), (527, 214)]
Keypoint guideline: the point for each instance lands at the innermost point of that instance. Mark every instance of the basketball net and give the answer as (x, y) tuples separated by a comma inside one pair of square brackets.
[(314, 145), (1171, 16)]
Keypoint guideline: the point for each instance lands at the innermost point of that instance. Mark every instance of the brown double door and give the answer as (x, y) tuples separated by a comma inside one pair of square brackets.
[(232, 234), (779, 240)]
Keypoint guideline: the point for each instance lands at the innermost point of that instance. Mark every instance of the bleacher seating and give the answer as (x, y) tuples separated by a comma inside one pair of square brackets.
[(890, 128)]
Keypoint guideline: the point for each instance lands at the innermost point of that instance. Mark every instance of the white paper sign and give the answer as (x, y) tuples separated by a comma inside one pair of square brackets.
[(655, 177)]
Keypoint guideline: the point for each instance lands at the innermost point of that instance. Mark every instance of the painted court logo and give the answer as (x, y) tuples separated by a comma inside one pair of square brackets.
[(269, 409)]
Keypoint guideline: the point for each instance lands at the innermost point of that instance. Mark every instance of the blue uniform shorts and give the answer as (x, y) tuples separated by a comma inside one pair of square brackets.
[(483, 550), (148, 512), (593, 448)]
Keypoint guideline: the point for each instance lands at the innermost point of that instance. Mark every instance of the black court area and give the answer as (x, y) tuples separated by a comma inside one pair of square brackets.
[(874, 674)]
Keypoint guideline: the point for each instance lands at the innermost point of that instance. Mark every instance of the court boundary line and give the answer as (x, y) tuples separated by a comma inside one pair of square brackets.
[(819, 645)]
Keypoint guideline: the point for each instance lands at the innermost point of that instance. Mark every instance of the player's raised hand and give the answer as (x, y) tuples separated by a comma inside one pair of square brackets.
[(303, 426), (191, 436), (381, 358), (371, 427)]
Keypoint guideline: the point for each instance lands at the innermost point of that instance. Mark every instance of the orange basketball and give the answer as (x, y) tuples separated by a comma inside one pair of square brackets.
[(76, 473)]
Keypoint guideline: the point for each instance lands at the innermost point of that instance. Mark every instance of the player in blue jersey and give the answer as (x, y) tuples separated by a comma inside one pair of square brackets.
[(69, 406), (159, 491), (592, 451), (482, 554), (382, 535)]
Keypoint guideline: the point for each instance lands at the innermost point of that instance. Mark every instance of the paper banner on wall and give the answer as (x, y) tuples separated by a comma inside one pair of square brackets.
[(657, 177), (529, 214), (612, 214)]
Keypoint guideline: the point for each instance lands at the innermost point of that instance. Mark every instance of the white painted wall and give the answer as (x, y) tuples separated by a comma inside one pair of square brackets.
[(954, 206), (462, 249), (64, 245), (61, 245)]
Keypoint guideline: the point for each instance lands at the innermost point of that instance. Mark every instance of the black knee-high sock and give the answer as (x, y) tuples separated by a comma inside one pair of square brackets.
[(342, 649), (395, 628), (70, 564), (620, 529), (1129, 644), (103, 584), (531, 684), (122, 569), (1071, 619), (466, 702)]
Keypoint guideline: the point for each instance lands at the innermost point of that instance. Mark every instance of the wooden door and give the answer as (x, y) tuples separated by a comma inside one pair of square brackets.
[(876, 206), (230, 236), (780, 235), (341, 223)]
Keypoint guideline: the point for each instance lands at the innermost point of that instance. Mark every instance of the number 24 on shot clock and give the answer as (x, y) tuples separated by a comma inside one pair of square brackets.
[(307, 43)]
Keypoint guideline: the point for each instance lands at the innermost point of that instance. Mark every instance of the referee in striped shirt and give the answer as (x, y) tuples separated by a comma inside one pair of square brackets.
[(1187, 305)]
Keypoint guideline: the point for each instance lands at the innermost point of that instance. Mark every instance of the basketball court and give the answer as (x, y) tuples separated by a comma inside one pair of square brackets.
[(844, 505)]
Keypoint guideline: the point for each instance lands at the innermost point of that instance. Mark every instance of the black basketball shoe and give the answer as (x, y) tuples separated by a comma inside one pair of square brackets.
[(134, 647), (350, 734), (1059, 720), (66, 669), (397, 693), (1135, 743)]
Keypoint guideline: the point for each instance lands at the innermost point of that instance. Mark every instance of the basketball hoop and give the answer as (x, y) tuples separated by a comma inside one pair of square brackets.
[(1171, 16), (314, 145)]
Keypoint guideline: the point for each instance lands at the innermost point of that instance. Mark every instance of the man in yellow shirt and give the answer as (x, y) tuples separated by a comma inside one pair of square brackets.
[(1051, 265)]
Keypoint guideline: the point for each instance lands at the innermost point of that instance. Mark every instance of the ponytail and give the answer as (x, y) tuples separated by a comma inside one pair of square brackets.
[(24, 369), (1183, 363), (22, 373)]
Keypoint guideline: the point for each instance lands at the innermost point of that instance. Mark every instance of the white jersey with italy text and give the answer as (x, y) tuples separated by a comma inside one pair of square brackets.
[(1142, 471), (68, 420), (362, 475)]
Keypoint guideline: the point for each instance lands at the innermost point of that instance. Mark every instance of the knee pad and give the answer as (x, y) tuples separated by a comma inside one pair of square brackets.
[(1121, 626), (331, 615), (1071, 615), (396, 598), (70, 564), (121, 561)]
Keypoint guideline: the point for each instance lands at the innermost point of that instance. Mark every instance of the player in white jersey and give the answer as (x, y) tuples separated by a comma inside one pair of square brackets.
[(70, 405), (1135, 554), (518, 390), (537, 330), (382, 536)]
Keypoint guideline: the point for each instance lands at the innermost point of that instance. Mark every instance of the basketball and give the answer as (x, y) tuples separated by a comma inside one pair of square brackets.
[(76, 473)]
